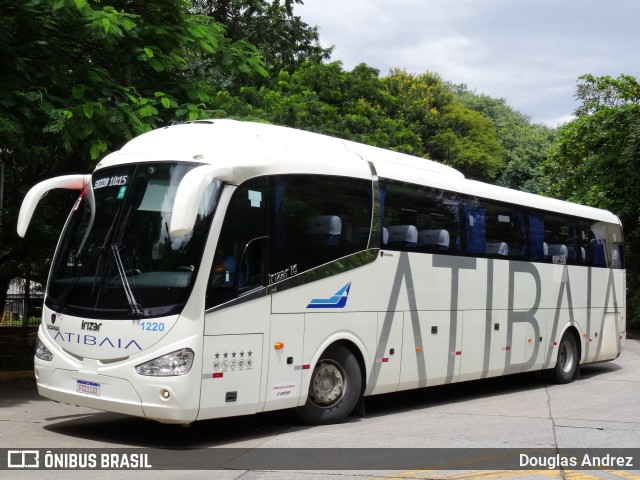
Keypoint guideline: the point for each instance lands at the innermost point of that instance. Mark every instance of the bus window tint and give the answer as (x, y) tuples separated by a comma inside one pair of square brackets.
[(420, 219), (317, 219), (506, 231), (601, 244), (559, 244), (495, 229), (430, 220)]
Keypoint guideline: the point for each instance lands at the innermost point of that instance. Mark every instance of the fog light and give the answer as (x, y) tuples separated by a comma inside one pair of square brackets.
[(165, 394)]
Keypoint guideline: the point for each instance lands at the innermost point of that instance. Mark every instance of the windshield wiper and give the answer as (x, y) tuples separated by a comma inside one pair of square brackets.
[(136, 309)]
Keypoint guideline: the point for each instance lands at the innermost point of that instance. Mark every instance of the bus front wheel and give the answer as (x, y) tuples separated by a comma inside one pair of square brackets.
[(335, 387), (567, 362)]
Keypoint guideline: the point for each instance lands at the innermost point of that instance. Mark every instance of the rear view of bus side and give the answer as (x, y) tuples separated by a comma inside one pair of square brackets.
[(223, 268)]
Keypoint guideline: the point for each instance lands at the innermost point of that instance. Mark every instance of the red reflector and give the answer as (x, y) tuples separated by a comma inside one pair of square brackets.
[(306, 366), (217, 375), (385, 360), (458, 353), (555, 344), (507, 348)]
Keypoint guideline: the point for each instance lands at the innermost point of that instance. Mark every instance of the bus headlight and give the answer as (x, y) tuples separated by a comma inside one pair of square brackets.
[(174, 363), (42, 352)]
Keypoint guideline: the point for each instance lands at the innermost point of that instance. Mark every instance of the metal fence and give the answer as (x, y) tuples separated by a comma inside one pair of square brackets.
[(15, 307)]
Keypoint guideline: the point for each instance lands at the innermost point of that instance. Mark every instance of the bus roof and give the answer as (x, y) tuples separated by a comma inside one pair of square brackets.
[(253, 149)]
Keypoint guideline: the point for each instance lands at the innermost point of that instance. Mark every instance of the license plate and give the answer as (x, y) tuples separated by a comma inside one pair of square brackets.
[(90, 388)]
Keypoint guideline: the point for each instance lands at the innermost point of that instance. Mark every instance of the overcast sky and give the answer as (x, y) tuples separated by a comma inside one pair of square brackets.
[(529, 52)]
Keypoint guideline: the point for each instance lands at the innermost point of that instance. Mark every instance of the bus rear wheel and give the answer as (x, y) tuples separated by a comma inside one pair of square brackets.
[(566, 367), (335, 387)]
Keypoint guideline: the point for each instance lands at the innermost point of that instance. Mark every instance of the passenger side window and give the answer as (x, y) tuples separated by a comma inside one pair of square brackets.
[(417, 218), (601, 244), (317, 219), (420, 219), (559, 240), (506, 231), (495, 230)]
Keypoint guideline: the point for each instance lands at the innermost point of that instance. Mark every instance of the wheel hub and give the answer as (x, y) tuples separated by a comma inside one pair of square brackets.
[(328, 384)]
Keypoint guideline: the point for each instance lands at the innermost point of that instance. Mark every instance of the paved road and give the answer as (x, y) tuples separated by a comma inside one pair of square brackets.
[(599, 411)]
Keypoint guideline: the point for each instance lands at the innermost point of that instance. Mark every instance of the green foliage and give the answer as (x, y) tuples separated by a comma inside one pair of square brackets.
[(525, 145), (451, 132), (285, 41), (468, 142), (606, 92), (91, 76)]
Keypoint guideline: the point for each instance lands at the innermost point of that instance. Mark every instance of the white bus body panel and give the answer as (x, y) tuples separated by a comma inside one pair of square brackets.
[(286, 364), (449, 326), (231, 372)]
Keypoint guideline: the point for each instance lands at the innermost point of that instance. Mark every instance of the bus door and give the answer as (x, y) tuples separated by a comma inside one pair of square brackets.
[(238, 307)]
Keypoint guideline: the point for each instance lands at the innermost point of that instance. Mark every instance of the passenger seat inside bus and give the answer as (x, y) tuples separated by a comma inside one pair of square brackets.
[(497, 248), (402, 236), (558, 249), (323, 230), (433, 240)]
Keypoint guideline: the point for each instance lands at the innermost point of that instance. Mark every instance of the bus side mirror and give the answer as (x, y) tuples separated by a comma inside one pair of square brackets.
[(31, 200), (189, 196)]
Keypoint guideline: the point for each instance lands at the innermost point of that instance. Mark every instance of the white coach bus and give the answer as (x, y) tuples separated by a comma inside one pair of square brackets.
[(221, 268)]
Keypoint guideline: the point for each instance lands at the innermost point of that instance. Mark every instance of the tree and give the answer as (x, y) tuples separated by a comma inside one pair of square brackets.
[(525, 145), (285, 41), (451, 133), (597, 93), (467, 141), (80, 78)]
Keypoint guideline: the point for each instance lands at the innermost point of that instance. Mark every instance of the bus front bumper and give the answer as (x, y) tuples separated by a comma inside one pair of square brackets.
[(111, 394)]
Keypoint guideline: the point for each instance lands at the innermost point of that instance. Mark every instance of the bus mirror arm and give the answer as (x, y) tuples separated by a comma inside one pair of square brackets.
[(31, 200), (189, 196)]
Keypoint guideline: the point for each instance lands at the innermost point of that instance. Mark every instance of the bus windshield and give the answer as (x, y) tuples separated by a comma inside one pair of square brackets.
[(116, 258)]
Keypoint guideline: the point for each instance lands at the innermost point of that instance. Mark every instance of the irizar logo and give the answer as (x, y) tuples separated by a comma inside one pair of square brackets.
[(339, 300)]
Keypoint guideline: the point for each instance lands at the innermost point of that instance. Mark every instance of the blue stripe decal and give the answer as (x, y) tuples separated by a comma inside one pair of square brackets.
[(339, 300)]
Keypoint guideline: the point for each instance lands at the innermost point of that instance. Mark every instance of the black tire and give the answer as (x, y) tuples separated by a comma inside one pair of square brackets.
[(335, 387), (567, 362)]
